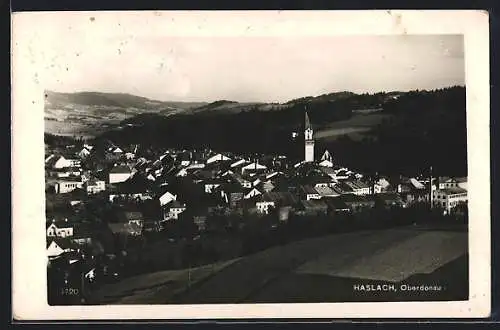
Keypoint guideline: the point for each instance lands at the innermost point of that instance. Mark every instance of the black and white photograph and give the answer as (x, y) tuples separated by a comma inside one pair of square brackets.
[(231, 168)]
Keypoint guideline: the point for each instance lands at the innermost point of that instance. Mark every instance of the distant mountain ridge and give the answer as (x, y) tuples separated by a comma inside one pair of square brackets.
[(122, 100)]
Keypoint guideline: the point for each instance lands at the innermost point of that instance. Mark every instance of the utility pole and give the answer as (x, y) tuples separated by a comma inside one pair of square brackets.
[(430, 184)]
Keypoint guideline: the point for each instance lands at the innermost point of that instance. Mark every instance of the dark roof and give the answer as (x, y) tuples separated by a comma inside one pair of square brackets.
[(318, 204), (133, 215), (120, 169), (70, 179), (175, 204), (336, 203), (454, 190), (352, 198), (309, 190)]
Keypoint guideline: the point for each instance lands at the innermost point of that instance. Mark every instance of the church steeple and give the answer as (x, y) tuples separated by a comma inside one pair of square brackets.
[(308, 123), (309, 140)]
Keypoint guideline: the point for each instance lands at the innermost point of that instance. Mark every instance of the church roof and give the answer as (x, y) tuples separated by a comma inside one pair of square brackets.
[(308, 123)]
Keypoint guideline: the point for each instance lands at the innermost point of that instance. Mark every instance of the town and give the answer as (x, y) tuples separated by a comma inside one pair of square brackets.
[(114, 211)]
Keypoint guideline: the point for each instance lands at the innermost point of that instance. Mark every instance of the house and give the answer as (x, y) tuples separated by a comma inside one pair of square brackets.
[(124, 228), (357, 202), (389, 200), (309, 193), (326, 192), (82, 235), (94, 186), (358, 187), (67, 172), (60, 162), (57, 246), (239, 163), (314, 207), (84, 153), (152, 226), (449, 198), (381, 185), (210, 185), (336, 206), (231, 192), (253, 167), (119, 173), (415, 196), (252, 192), (447, 182), (60, 229), (133, 217), (201, 222), (66, 185), (127, 223), (267, 186), (242, 181), (166, 198), (173, 209), (217, 158), (135, 188), (273, 200)]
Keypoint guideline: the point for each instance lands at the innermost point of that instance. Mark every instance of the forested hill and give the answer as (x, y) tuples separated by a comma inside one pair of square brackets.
[(422, 128)]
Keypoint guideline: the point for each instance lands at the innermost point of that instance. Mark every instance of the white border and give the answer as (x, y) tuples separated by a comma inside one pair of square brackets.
[(32, 33)]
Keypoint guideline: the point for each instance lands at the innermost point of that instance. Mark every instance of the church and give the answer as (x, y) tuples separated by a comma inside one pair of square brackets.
[(326, 159)]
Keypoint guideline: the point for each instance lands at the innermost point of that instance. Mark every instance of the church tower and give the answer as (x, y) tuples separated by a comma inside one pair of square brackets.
[(309, 141)]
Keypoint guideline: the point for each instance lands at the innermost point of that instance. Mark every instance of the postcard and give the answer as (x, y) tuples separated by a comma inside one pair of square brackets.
[(193, 165)]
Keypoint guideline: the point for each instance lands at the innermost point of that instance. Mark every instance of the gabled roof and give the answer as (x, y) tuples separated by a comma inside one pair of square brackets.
[(120, 169)]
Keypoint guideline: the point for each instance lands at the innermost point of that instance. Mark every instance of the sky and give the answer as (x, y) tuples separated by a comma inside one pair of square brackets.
[(254, 69)]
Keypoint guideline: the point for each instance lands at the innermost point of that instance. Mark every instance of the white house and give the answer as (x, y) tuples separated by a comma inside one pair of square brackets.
[(95, 186), (63, 230), (358, 187), (84, 153), (449, 198), (166, 198), (182, 172), (255, 166), (120, 173), (173, 210), (62, 162), (67, 185), (56, 248), (326, 192), (217, 158), (265, 205)]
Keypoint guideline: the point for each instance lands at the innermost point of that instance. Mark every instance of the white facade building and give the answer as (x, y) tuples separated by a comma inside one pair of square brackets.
[(449, 198)]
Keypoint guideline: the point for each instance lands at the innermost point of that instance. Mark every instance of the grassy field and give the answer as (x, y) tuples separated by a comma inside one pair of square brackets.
[(158, 286), (319, 270)]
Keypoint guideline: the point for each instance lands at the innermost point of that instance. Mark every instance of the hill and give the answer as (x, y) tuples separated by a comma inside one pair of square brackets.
[(121, 100), (313, 270), (410, 132), (91, 113)]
